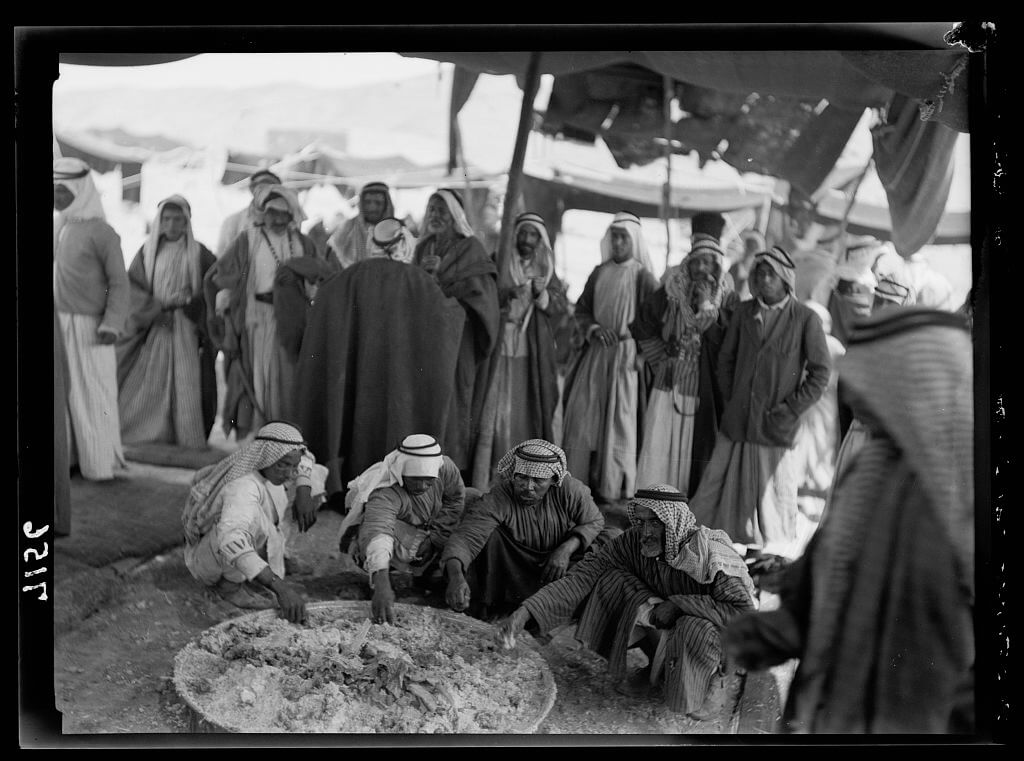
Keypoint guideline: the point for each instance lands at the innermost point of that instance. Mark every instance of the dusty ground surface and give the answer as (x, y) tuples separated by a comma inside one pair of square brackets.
[(114, 654)]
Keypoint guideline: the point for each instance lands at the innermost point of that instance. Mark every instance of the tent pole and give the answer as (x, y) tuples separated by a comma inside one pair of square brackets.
[(853, 199), (518, 155), (666, 192)]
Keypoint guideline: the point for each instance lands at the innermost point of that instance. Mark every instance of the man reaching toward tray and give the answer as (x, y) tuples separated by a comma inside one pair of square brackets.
[(524, 533), (403, 508)]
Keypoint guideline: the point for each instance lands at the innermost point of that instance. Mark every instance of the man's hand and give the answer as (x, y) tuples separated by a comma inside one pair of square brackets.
[(304, 509), (537, 286), (106, 337), (431, 263), (665, 614), (511, 626), (425, 552), (557, 565), (383, 598), (290, 602), (457, 593)]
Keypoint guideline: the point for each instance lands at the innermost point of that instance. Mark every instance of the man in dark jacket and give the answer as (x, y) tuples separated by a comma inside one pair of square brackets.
[(774, 364)]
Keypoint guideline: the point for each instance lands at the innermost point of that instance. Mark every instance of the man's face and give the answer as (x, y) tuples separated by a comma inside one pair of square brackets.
[(439, 219), (527, 240), (530, 490), (277, 220), (622, 245), (283, 469), (172, 223), (767, 284), (62, 197), (652, 536), (371, 206), (702, 269), (416, 485)]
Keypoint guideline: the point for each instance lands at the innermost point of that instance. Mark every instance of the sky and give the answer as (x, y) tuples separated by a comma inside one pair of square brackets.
[(327, 70)]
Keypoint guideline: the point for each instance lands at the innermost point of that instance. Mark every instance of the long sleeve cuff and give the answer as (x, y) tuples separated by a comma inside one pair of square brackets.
[(378, 553), (249, 564)]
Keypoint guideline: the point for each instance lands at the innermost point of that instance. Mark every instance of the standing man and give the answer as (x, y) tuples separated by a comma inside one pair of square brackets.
[(773, 366), (524, 533), (451, 253), (239, 291), (679, 333), (404, 509), (602, 389), (521, 401), (350, 242), (168, 390), (90, 293), (879, 610), (245, 218)]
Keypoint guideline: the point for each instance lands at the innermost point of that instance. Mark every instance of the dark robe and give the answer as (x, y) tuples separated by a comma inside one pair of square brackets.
[(604, 592), (291, 304), (376, 364), (468, 274), (144, 309), (542, 381), (648, 328), (231, 272)]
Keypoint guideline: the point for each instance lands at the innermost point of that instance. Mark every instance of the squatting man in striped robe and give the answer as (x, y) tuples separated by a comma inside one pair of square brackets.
[(237, 519), (403, 510), (524, 533), (666, 586), (90, 294)]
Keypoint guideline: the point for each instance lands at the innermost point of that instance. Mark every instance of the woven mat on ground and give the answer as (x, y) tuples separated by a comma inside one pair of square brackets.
[(138, 516), (173, 456)]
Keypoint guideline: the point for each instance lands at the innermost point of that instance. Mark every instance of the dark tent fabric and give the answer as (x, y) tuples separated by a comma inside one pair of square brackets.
[(377, 360), (914, 160)]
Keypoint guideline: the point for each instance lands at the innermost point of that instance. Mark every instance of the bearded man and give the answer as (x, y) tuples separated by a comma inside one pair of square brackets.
[(679, 332), (350, 243), (523, 393)]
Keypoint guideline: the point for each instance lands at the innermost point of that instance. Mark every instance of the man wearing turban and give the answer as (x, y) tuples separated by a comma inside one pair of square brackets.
[(523, 394), (774, 364), (243, 312), (602, 392), (879, 609), (679, 332), (165, 362), (351, 242), (667, 586), (237, 518), (235, 224), (91, 296), (524, 533), (403, 510)]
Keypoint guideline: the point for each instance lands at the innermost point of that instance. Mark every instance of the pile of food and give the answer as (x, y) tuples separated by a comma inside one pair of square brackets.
[(431, 672)]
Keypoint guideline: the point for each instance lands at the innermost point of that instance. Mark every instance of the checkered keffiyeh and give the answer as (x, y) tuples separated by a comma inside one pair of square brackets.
[(698, 551), (203, 506), (536, 458)]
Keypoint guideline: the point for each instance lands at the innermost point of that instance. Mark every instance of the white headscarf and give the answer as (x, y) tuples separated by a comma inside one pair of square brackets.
[(76, 175), (629, 222), (191, 245), (391, 238), (205, 500), (265, 194), (513, 268), (418, 455), (454, 203)]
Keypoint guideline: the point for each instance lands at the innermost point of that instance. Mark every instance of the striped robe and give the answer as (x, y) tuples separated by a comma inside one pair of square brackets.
[(603, 594)]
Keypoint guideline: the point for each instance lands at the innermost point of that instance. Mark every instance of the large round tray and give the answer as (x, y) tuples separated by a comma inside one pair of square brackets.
[(535, 705)]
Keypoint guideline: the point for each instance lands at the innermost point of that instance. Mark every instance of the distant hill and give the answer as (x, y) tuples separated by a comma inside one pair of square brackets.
[(407, 117)]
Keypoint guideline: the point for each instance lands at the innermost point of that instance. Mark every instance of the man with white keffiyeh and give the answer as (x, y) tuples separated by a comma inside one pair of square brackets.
[(403, 510), (236, 519), (524, 533), (667, 586)]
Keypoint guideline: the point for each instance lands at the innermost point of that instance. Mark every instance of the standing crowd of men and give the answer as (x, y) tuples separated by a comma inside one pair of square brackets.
[(414, 384)]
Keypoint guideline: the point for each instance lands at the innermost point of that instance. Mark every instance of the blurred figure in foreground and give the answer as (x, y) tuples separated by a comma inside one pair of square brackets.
[(879, 607)]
